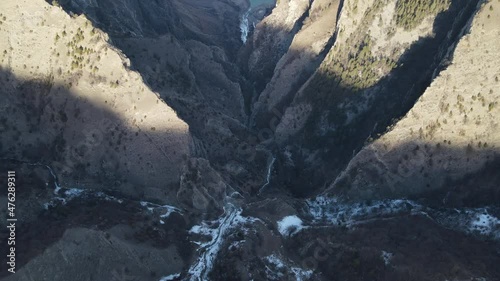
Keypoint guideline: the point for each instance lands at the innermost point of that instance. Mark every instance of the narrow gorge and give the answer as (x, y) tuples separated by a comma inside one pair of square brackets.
[(252, 139)]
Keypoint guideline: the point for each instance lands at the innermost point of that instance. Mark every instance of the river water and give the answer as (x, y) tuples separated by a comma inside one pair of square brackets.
[(255, 3)]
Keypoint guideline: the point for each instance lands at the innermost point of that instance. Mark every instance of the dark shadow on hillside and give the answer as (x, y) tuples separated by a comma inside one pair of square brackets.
[(404, 247), (186, 20), (392, 97), (188, 58), (185, 88), (437, 173), (474, 189), (46, 127), (275, 45)]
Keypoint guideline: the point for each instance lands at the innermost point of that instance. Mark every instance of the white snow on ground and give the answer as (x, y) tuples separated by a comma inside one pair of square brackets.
[(73, 193), (106, 197), (165, 210), (477, 221), (217, 230), (336, 212), (386, 256), (69, 194), (290, 225), (280, 268), (332, 211), (147, 205), (236, 244), (170, 277), (301, 274), (275, 273), (275, 260), (485, 223)]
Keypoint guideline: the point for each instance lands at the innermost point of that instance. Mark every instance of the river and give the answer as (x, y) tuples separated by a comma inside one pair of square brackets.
[(255, 3)]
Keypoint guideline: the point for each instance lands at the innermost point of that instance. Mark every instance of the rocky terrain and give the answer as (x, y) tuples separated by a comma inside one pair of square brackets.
[(251, 140), (449, 134)]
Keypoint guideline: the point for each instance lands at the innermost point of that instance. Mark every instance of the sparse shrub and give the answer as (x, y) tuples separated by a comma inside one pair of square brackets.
[(491, 106), (469, 148)]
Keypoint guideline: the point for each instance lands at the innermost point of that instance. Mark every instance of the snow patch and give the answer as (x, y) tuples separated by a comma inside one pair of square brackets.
[(73, 193), (332, 211), (281, 268), (218, 231), (485, 223), (69, 194), (170, 277), (276, 272), (236, 244), (386, 256), (164, 210), (275, 260), (290, 225), (147, 205), (301, 274)]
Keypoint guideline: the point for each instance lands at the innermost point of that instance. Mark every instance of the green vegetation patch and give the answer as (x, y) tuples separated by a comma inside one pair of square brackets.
[(410, 13)]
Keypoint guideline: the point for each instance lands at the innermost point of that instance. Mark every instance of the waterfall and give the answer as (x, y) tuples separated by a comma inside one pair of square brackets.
[(244, 26), (268, 178)]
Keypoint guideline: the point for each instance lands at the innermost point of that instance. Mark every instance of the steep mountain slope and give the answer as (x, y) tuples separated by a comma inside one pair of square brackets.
[(69, 101), (302, 58), (450, 133), (186, 51), (386, 109), (272, 38), (376, 69), (78, 125)]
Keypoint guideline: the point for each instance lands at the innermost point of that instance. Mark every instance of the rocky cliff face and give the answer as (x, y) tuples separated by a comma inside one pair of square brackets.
[(303, 55), (345, 140), (186, 51), (368, 78), (448, 135)]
